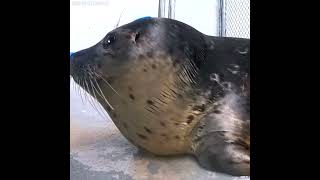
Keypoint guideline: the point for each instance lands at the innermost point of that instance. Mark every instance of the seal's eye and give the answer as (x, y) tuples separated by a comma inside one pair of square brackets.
[(108, 41)]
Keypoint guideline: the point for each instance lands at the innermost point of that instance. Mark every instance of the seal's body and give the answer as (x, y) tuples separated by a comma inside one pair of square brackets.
[(173, 90)]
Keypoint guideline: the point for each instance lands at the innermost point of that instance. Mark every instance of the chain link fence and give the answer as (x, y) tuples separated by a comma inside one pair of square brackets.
[(235, 18)]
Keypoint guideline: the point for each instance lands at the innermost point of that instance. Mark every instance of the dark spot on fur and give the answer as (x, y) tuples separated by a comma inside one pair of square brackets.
[(148, 130), (149, 102), (165, 136), (176, 124), (145, 70), (141, 56), (177, 137), (131, 96), (190, 118), (130, 88), (200, 108), (125, 125), (217, 111), (128, 36), (99, 65), (174, 63), (142, 136), (150, 54), (162, 124), (154, 66)]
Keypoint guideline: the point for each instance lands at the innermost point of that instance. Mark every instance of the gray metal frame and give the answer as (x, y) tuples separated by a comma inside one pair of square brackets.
[(171, 8), (222, 20)]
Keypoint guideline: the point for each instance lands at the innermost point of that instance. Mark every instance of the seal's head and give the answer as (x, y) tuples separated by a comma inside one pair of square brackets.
[(139, 62), (140, 47)]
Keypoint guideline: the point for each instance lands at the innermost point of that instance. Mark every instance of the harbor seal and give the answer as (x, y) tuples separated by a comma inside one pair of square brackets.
[(170, 90)]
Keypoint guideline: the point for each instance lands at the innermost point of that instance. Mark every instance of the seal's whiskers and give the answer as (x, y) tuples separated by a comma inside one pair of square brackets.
[(80, 90), (94, 94), (99, 92), (91, 100), (104, 80)]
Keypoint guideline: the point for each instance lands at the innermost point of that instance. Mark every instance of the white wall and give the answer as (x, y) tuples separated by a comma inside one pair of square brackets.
[(91, 20), (89, 23), (200, 14)]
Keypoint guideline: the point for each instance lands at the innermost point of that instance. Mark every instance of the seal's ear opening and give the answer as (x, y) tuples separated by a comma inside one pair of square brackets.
[(137, 36)]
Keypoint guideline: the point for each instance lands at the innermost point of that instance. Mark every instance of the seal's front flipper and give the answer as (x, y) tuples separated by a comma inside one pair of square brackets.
[(221, 139), (215, 154)]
